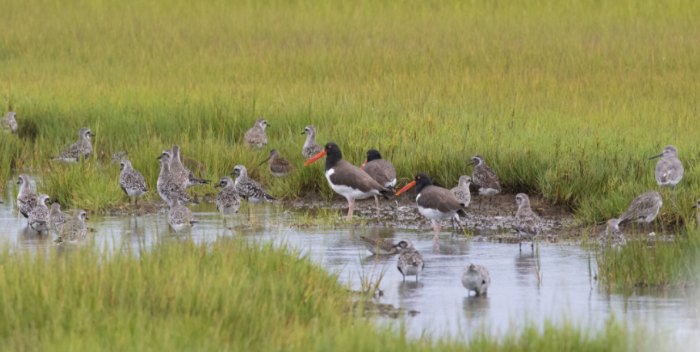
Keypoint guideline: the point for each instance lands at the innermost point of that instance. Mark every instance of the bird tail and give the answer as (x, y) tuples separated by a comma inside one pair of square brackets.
[(268, 197)]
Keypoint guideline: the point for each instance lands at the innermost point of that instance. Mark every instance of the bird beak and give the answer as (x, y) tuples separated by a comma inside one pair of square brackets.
[(363, 165), (218, 185), (303, 132), (695, 206), (315, 157), (656, 156), (264, 161), (406, 187)]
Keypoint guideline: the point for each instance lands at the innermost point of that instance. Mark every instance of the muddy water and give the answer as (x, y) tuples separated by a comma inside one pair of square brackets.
[(556, 285)]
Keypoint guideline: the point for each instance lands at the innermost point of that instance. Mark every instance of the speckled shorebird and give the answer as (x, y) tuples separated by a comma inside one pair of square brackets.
[(347, 179), (279, 166), (179, 216), (247, 188), (39, 216), (78, 150), (26, 198), (183, 176), (57, 218), (462, 193), (167, 188), (380, 170), (669, 169), (476, 278), (256, 137), (9, 123), (75, 230), (380, 246), (435, 203), (310, 147), (612, 234), (131, 181), (484, 178), (643, 209), (527, 223), (227, 201), (410, 261)]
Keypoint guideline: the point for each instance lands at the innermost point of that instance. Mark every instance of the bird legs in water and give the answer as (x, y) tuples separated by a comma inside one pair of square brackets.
[(351, 209), (520, 242)]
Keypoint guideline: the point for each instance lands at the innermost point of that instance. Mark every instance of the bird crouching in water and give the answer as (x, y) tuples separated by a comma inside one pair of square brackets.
[(476, 278)]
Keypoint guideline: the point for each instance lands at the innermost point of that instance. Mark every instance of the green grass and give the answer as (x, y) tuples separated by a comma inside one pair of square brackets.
[(227, 295), (565, 100), (654, 263)]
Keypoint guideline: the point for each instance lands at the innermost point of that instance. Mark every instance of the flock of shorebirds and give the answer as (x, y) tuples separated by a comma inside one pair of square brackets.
[(376, 177)]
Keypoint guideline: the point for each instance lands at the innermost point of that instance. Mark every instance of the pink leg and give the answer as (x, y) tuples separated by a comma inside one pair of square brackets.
[(436, 226), (351, 208)]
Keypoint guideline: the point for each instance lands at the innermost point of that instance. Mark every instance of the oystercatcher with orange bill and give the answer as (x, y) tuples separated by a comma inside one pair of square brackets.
[(435, 203), (347, 179)]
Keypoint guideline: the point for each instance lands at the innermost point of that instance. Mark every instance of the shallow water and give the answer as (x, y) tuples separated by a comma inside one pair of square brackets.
[(564, 289)]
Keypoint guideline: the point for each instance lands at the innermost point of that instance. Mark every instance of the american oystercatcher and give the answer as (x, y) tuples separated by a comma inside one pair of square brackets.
[(435, 203)]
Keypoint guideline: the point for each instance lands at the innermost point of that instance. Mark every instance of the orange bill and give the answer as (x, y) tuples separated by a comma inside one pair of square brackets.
[(315, 157), (363, 165), (406, 187)]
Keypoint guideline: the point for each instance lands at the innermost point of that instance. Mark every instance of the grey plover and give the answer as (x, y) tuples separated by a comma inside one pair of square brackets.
[(256, 137), (179, 216), (75, 230), (462, 192), (9, 123), (39, 216), (26, 198), (484, 178), (380, 246), (347, 179), (183, 176), (78, 150), (167, 188), (227, 200), (476, 278), (612, 234), (278, 165), (435, 203), (643, 209), (57, 218), (410, 262), (310, 147), (669, 169), (131, 181), (247, 188), (527, 223)]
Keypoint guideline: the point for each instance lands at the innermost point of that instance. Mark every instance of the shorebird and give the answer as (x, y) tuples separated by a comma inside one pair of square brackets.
[(613, 234), (179, 216), (279, 166), (57, 218), (435, 203), (669, 169), (39, 216), (380, 170), (74, 230), (347, 179), (78, 150), (380, 246), (256, 137), (167, 188), (182, 176), (131, 181), (9, 123), (476, 278), (484, 178), (462, 193), (248, 188), (227, 201), (643, 209), (26, 198), (527, 223), (410, 261), (310, 147)]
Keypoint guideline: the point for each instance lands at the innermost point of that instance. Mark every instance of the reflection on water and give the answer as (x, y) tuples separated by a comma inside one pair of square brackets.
[(555, 285)]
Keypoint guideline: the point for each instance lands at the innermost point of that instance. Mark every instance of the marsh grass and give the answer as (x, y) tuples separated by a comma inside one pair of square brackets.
[(651, 263), (226, 295), (567, 101)]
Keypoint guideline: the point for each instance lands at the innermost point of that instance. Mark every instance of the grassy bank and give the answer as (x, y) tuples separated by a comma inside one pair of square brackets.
[(563, 100), (643, 263), (223, 296)]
